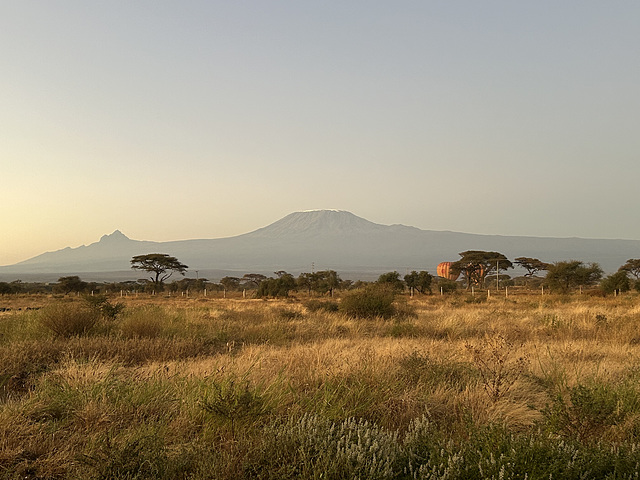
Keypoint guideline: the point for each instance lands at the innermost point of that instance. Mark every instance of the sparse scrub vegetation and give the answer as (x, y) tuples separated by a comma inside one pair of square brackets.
[(429, 387), (101, 304), (315, 305)]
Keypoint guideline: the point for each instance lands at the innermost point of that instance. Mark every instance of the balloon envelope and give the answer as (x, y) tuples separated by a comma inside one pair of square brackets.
[(444, 271)]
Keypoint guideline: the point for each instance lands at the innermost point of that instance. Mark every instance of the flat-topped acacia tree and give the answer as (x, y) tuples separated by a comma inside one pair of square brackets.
[(161, 265), (477, 264), (532, 265)]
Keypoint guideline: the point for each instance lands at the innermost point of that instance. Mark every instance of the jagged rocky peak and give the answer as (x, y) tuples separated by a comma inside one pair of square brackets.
[(114, 237)]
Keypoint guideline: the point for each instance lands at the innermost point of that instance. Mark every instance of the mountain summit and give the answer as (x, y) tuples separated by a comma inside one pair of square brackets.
[(317, 223), (116, 236)]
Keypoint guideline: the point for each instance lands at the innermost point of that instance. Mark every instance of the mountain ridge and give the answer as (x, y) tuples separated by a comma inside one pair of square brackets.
[(328, 239)]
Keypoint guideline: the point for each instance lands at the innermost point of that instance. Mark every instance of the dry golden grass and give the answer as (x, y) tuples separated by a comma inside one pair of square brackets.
[(151, 369)]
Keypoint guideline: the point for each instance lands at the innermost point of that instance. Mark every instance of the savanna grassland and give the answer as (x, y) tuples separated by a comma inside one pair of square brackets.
[(448, 387)]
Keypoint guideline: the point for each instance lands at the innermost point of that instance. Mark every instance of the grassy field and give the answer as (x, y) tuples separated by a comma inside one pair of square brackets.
[(452, 387)]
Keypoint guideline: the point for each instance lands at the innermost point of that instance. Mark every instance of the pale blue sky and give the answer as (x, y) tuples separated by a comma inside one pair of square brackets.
[(175, 120)]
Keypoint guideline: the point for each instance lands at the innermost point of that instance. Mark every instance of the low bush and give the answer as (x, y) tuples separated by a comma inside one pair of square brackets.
[(69, 319), (588, 410), (102, 304), (374, 301)]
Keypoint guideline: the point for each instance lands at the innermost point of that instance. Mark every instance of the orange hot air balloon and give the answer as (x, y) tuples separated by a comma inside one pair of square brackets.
[(444, 271)]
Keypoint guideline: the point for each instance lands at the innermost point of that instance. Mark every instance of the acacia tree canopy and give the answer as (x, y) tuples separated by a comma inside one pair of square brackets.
[(532, 265), (277, 287), (230, 283), (252, 280), (477, 264), (71, 284), (632, 266), (161, 265)]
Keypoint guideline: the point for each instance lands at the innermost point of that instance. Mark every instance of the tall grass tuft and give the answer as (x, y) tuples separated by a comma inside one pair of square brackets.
[(144, 322), (69, 319)]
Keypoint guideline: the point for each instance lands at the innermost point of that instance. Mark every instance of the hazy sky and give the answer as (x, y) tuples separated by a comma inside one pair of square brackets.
[(204, 119)]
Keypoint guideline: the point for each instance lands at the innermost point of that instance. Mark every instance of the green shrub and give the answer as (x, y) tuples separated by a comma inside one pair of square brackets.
[(101, 304), (616, 283), (232, 400), (374, 301), (69, 319), (587, 411)]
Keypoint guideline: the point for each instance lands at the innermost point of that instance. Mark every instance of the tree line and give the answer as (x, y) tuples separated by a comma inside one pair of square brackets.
[(562, 276), (477, 268)]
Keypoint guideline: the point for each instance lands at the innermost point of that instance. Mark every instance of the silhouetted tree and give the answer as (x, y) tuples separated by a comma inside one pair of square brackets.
[(70, 284), (252, 280), (532, 265), (160, 265)]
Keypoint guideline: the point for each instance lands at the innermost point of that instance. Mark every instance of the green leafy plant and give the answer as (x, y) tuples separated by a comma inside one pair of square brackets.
[(233, 400), (101, 304), (587, 410)]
